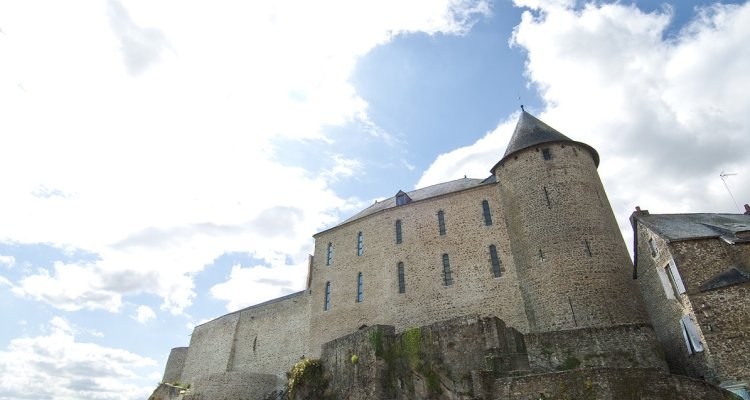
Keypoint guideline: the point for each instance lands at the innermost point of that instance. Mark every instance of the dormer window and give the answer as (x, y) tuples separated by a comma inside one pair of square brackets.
[(402, 198)]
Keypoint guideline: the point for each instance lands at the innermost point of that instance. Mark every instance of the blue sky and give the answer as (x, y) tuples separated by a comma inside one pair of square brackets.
[(163, 163)]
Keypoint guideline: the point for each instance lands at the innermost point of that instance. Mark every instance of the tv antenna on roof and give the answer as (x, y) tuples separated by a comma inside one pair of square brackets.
[(723, 175)]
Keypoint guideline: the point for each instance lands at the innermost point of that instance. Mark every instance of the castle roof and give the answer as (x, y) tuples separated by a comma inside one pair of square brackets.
[(530, 131), (419, 194), (732, 228)]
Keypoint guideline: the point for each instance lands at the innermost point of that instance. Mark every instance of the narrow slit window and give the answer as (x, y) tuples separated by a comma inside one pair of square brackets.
[(360, 244), (495, 261), (546, 197), (541, 255), (441, 222), (599, 196), (447, 273), (329, 254), (360, 288), (588, 247), (546, 154), (486, 212), (398, 231), (401, 278), (327, 303)]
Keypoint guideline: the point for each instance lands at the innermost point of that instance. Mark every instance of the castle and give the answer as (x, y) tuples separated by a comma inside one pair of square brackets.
[(526, 269)]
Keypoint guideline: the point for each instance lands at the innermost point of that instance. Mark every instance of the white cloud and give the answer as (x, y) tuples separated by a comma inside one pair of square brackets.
[(145, 132), (666, 114), (255, 284), (144, 314), (57, 366), (7, 261)]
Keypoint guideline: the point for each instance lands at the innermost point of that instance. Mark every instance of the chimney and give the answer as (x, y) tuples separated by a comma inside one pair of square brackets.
[(747, 209)]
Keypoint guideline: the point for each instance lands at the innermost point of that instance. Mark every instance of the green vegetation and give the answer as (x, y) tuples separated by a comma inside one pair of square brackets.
[(306, 380), (355, 358), (376, 340)]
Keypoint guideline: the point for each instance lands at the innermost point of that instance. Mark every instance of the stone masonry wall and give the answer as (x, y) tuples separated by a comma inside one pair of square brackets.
[(570, 258), (596, 383), (210, 347), (272, 338), (624, 346), (427, 299), (234, 385), (433, 361), (722, 315), (266, 339), (175, 365)]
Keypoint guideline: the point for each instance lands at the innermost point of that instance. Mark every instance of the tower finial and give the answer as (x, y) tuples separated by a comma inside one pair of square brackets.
[(522, 108)]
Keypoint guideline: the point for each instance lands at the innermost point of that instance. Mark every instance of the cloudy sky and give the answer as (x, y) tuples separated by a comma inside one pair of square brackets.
[(164, 162)]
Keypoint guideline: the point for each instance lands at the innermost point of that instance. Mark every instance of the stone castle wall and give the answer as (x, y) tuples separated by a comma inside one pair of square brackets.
[(264, 339), (596, 383), (175, 365), (572, 263), (474, 289)]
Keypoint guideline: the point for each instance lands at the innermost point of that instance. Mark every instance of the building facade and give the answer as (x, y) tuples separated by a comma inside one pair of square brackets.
[(693, 271), (535, 245)]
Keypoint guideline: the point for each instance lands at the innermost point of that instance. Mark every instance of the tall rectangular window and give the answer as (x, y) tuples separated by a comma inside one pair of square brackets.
[(360, 288), (447, 274), (495, 261), (546, 154), (486, 212), (329, 254), (327, 302), (360, 244), (398, 231), (441, 222), (401, 278)]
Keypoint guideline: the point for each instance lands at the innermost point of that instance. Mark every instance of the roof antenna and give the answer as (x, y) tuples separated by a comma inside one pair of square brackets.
[(723, 175)]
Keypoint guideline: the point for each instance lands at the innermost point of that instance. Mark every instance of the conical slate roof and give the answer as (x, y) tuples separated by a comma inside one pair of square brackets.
[(530, 132)]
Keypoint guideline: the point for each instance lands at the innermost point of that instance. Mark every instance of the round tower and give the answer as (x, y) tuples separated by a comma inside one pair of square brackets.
[(572, 263)]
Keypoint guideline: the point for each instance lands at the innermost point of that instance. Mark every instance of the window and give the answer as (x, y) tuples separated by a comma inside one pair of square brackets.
[(360, 284), (654, 249), (495, 262), (447, 274), (690, 334), (670, 279), (441, 222), (402, 198), (674, 278), (401, 279), (398, 231), (546, 197), (360, 244), (541, 255), (486, 211), (327, 303), (329, 254), (588, 247), (546, 154)]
